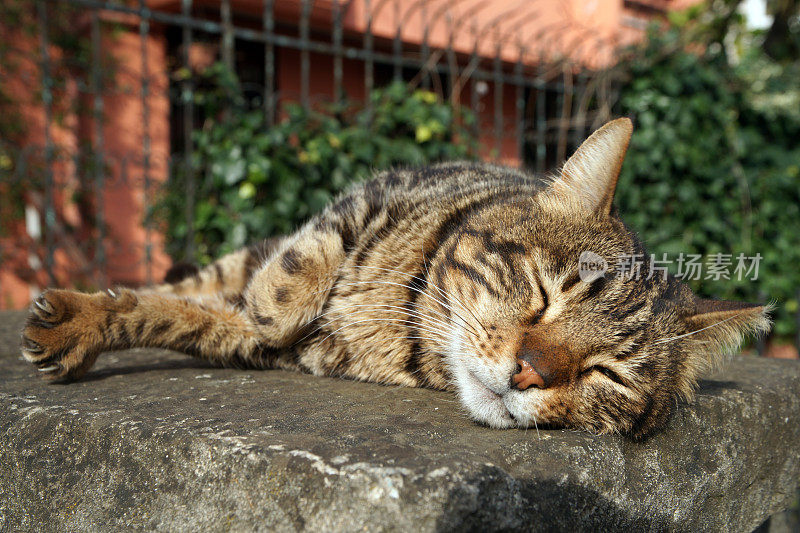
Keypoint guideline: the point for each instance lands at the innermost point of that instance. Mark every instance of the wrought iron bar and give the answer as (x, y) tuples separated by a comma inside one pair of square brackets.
[(144, 31), (369, 80), (541, 118), (98, 151), (498, 102), (397, 45), (228, 45), (426, 50), (187, 99), (520, 113), (47, 101), (305, 14), (338, 89), (268, 24)]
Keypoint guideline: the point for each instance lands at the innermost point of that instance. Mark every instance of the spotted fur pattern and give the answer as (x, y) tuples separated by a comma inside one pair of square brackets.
[(446, 277)]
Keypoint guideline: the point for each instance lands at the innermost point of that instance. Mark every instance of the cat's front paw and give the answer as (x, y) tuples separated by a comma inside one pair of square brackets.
[(65, 331)]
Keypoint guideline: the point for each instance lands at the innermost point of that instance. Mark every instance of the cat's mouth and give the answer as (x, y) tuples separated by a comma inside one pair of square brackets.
[(514, 418), (485, 404), (485, 388)]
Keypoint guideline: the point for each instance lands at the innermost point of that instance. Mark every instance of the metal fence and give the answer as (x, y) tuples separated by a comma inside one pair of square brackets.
[(536, 102)]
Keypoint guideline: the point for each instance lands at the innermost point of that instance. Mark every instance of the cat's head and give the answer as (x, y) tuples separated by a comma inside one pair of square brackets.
[(545, 337)]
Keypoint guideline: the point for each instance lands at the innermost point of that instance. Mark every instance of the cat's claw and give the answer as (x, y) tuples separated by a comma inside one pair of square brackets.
[(111, 293), (43, 305), (31, 346), (59, 336)]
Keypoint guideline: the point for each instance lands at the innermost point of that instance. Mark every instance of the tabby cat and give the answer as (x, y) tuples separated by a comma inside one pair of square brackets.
[(459, 276)]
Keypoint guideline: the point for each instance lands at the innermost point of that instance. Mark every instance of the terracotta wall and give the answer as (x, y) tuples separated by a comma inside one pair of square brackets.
[(123, 201), (126, 197)]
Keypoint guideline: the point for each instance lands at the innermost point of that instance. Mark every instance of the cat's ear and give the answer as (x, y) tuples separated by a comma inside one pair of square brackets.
[(715, 328), (720, 325), (589, 178)]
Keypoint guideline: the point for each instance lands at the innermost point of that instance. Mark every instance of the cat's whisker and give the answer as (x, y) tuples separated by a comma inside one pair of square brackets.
[(668, 339), (468, 310), (363, 321), (406, 311), (405, 337), (393, 309), (446, 306), (363, 282), (450, 296), (440, 315), (444, 333), (440, 327), (419, 327), (329, 313), (416, 289), (381, 282), (426, 280)]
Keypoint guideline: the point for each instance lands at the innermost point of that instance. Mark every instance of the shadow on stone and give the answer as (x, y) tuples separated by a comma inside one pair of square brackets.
[(155, 366), (491, 500), (712, 386)]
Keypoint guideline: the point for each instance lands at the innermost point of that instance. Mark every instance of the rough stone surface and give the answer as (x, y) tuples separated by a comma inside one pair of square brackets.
[(154, 440)]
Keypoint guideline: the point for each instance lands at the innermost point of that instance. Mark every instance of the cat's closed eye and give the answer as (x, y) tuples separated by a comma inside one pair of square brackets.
[(537, 315), (605, 371), (594, 289)]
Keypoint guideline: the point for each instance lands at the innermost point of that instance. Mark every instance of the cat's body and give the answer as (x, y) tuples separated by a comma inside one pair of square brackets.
[(460, 276)]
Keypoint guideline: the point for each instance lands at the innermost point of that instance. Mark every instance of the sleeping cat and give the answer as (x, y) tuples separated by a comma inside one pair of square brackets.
[(459, 276)]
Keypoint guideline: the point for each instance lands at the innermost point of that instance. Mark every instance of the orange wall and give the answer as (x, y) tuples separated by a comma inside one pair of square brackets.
[(584, 31), (124, 133), (124, 198)]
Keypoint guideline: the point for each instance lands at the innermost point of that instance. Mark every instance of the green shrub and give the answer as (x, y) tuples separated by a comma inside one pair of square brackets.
[(714, 164), (253, 181)]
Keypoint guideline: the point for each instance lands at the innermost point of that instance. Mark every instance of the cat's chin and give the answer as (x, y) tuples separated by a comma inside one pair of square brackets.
[(484, 405), (520, 405)]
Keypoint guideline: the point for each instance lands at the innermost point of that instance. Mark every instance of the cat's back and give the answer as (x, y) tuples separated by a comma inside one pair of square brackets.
[(401, 208), (436, 189)]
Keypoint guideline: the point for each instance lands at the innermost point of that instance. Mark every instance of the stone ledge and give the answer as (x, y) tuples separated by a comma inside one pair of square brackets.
[(157, 440)]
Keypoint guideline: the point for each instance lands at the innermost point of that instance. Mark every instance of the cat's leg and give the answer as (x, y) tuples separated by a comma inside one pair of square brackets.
[(66, 330), (283, 283), (290, 290), (227, 275)]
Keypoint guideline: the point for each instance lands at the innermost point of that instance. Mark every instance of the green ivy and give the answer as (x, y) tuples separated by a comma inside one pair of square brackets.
[(714, 164), (254, 181)]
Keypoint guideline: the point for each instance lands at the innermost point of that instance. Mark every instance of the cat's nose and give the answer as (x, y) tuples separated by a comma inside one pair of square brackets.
[(526, 376)]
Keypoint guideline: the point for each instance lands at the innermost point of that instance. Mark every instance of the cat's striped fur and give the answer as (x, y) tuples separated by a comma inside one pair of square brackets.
[(459, 276)]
